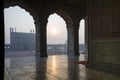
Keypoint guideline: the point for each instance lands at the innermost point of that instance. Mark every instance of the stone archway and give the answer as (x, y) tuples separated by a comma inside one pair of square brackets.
[(23, 5), (28, 9), (41, 21), (72, 33)]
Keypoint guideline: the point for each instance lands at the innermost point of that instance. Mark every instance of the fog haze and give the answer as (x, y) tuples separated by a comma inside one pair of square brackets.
[(18, 18)]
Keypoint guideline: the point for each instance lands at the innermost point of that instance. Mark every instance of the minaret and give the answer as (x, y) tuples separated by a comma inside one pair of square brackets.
[(15, 29), (10, 29), (33, 30)]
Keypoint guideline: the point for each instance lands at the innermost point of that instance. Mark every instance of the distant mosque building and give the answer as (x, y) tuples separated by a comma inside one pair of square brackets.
[(22, 41)]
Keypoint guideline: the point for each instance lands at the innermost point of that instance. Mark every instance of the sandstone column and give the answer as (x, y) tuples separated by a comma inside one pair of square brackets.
[(41, 43), (72, 42)]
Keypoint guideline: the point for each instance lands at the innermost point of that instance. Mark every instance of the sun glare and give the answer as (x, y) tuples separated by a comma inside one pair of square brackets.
[(54, 31)]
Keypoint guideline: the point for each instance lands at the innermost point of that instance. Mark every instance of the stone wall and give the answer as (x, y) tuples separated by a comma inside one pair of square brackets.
[(104, 34), (107, 53), (22, 41)]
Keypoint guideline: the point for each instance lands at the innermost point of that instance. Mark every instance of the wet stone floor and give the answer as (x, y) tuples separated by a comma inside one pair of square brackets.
[(57, 67)]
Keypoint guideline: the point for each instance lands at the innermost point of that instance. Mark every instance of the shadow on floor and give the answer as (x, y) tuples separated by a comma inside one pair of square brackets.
[(53, 68)]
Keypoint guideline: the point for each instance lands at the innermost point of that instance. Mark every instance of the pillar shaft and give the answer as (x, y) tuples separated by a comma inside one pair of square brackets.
[(37, 39), (86, 38), (86, 30), (73, 41), (41, 41), (76, 41), (70, 41)]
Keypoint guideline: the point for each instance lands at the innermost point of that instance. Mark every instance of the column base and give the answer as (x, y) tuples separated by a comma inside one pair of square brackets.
[(43, 55), (40, 55), (72, 53), (77, 54)]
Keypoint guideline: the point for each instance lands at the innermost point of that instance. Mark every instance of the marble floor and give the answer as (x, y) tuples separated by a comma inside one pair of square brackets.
[(56, 67)]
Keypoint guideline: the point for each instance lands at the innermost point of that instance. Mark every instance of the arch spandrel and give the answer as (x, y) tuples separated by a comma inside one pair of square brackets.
[(23, 5), (65, 16)]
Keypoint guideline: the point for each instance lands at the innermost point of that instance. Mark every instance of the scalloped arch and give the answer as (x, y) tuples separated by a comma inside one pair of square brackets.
[(65, 16), (22, 5)]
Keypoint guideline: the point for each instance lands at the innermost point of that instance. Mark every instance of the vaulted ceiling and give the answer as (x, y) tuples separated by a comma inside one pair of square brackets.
[(79, 3)]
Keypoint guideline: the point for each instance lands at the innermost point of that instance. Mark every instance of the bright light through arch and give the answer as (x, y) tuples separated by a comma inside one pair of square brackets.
[(19, 18), (56, 30), (82, 32)]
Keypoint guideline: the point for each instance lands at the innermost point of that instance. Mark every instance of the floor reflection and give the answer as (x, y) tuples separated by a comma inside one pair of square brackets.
[(53, 68), (41, 69), (73, 69), (54, 62)]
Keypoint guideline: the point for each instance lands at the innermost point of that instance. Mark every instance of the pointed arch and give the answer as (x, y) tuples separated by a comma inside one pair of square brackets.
[(22, 5), (66, 17)]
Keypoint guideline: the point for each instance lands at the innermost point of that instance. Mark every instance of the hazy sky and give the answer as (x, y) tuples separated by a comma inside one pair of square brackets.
[(18, 18)]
